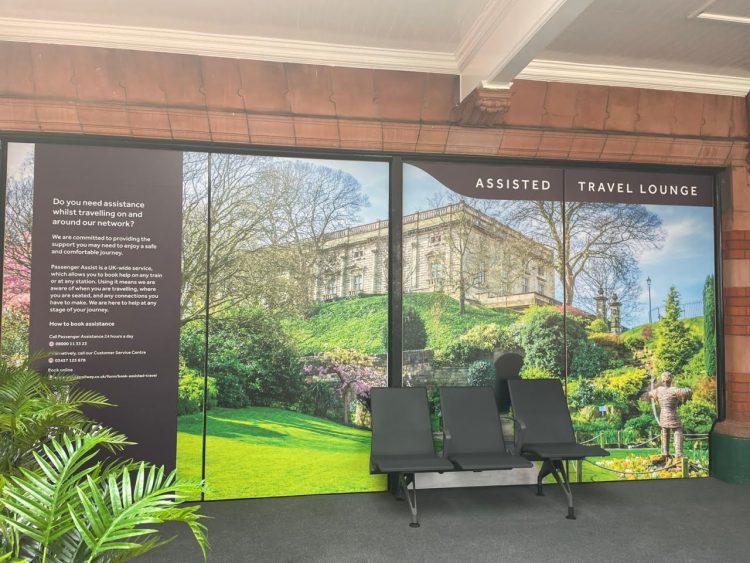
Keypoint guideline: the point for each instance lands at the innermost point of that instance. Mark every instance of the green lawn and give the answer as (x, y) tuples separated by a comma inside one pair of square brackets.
[(265, 452), (358, 323)]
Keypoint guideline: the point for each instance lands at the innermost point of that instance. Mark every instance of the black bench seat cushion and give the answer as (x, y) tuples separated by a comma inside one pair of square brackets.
[(402, 432), (489, 460), (541, 405), (563, 451), (409, 463), (473, 435)]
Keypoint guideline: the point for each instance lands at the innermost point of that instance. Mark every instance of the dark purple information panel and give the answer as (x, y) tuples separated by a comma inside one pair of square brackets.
[(105, 282)]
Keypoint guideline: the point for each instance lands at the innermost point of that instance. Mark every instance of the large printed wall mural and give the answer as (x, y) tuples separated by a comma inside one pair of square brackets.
[(602, 278), (262, 370)]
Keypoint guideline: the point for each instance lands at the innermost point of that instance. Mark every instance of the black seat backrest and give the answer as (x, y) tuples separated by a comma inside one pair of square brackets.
[(470, 420), (400, 421), (541, 405)]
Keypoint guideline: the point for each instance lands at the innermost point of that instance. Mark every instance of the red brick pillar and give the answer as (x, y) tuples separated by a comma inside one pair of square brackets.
[(730, 441)]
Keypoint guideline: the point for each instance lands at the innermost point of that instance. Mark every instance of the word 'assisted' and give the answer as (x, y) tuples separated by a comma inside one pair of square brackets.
[(512, 184)]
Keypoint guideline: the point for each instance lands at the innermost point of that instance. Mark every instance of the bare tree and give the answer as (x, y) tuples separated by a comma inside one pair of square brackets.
[(482, 255), (586, 234), (236, 215), (462, 264), (269, 221), (310, 202), (614, 275), (19, 206)]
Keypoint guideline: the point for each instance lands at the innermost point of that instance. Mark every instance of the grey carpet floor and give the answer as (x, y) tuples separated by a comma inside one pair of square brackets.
[(676, 520)]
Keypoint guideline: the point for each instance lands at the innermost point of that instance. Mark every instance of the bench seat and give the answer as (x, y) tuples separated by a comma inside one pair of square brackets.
[(409, 463), (488, 461), (563, 451)]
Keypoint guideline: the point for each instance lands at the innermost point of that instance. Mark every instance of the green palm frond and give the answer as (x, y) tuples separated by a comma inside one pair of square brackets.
[(143, 547), (59, 500), (38, 500), (88, 398), (115, 517), (33, 407)]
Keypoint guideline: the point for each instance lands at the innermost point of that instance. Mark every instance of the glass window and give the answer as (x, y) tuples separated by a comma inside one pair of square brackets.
[(436, 272), (357, 283), (524, 284), (295, 344)]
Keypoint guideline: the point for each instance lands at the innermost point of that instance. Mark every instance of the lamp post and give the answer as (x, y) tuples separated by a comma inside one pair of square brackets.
[(648, 283)]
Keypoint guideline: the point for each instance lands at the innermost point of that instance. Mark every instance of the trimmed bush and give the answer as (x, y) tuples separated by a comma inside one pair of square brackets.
[(529, 372), (542, 333), (482, 374), (190, 393), (616, 352), (633, 342), (709, 326), (697, 416), (476, 344), (704, 390), (581, 393), (676, 342), (589, 359), (598, 325), (247, 344), (459, 352), (644, 425), (414, 334), (231, 393), (619, 385), (487, 337)]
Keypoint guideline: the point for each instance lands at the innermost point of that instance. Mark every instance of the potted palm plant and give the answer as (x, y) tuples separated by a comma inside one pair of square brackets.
[(60, 501)]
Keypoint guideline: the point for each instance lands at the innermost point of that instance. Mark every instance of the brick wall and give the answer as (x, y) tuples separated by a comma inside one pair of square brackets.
[(736, 253), (158, 95), (92, 91)]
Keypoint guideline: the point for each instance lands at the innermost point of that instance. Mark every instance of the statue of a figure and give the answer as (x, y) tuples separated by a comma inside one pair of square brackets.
[(669, 399)]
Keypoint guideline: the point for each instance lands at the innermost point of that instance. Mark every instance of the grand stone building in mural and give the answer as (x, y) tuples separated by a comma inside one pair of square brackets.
[(455, 249)]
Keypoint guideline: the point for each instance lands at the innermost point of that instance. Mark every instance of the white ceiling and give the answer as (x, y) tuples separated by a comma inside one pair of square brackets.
[(421, 25), (657, 34), (691, 45)]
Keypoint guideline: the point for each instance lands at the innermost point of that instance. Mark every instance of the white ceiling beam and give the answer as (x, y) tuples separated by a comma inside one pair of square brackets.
[(507, 36)]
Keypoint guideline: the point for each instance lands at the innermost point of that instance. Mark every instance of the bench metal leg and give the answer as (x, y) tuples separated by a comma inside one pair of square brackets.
[(404, 480), (561, 476), (546, 469), (394, 485), (399, 492)]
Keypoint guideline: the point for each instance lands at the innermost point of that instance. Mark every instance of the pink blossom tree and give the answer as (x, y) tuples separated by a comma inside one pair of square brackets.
[(353, 376)]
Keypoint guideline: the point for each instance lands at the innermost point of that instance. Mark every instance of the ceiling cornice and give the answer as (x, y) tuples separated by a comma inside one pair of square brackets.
[(231, 46), (330, 54), (650, 78)]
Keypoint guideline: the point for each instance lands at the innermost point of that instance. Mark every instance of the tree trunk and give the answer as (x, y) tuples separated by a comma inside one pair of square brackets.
[(570, 283), (346, 396)]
